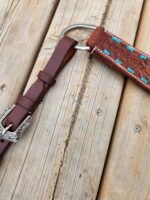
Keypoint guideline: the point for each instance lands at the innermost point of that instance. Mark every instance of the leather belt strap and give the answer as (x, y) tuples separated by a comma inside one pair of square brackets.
[(27, 103), (121, 56)]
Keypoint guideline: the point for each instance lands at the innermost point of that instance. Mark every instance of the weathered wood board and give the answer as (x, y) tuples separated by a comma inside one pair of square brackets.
[(63, 154), (127, 171), (23, 25)]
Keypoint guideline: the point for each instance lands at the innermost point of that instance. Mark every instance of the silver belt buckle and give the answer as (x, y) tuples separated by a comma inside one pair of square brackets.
[(13, 136)]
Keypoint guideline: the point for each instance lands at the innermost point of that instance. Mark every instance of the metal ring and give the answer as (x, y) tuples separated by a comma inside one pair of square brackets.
[(78, 26)]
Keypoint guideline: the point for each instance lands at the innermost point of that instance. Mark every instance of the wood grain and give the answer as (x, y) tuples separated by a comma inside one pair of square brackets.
[(22, 28), (127, 170), (63, 154), (23, 25)]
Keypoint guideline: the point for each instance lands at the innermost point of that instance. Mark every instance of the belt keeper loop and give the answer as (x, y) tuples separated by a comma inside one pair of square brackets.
[(46, 78)]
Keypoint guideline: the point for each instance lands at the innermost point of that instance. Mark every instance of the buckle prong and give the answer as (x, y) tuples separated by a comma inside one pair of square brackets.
[(7, 128)]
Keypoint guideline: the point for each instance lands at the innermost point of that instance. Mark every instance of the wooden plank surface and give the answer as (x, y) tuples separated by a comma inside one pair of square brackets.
[(63, 154), (22, 27), (127, 170)]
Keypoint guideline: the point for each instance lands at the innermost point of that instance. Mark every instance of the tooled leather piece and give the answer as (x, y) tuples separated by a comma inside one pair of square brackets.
[(27, 103), (121, 56)]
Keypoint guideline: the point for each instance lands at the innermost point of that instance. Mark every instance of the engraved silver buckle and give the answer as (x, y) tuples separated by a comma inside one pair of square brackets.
[(12, 136)]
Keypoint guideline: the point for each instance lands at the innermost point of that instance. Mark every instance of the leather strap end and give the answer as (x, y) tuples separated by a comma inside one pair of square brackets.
[(27, 103)]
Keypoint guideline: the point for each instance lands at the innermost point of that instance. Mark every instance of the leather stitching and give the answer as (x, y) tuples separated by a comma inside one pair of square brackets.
[(123, 67)]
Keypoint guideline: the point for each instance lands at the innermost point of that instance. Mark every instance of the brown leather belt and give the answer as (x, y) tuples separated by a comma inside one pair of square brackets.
[(20, 114), (105, 46)]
